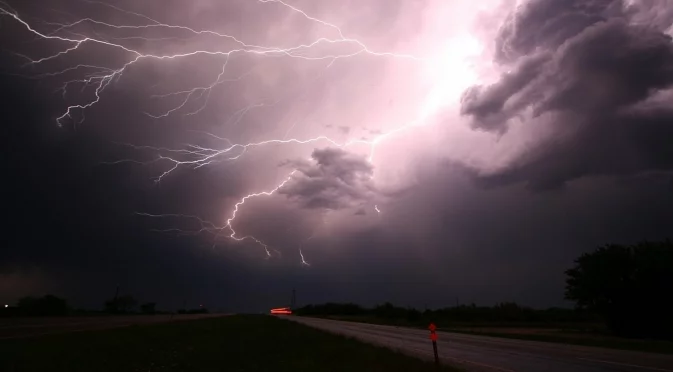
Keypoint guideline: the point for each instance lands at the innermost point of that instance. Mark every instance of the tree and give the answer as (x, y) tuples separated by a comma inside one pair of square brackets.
[(47, 305), (629, 286), (121, 304), (148, 308)]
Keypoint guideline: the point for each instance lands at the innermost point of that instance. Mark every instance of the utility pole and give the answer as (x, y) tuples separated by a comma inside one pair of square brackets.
[(294, 299)]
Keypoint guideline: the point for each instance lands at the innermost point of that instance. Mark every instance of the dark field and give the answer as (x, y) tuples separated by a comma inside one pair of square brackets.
[(234, 343)]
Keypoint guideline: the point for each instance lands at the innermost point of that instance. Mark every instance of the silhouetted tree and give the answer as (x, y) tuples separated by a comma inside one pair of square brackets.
[(200, 310), (630, 286), (331, 309), (148, 308), (388, 310), (121, 304), (500, 313), (48, 305), (413, 315)]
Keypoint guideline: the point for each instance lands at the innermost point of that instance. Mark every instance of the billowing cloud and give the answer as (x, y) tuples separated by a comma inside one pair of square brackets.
[(653, 13), (548, 24), (593, 73), (574, 92), (493, 105), (332, 179)]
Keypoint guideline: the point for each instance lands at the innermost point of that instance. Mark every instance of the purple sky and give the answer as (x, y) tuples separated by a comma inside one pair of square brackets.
[(408, 151)]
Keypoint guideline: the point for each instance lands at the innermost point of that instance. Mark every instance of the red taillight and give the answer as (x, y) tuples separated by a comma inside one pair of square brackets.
[(281, 310)]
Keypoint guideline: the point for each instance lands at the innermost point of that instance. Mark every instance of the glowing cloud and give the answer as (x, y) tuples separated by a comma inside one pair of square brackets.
[(444, 68)]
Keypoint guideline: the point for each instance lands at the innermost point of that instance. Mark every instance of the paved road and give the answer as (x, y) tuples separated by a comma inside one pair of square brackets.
[(482, 353), (11, 328)]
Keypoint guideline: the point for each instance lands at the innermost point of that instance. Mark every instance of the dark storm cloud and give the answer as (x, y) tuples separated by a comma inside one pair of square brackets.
[(655, 13), (69, 221), (333, 179), (487, 104), (549, 23), (449, 239), (73, 228), (594, 89)]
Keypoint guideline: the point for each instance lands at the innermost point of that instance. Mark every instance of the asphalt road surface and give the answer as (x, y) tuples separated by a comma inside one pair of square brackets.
[(11, 328), (482, 353)]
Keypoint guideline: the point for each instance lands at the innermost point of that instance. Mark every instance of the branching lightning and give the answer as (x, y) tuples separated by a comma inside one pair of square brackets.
[(195, 156)]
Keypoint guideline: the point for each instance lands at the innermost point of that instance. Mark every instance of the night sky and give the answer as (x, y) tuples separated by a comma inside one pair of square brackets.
[(420, 152)]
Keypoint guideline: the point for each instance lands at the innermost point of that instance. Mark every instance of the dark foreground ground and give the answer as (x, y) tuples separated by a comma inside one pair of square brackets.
[(234, 343), (12, 328), (482, 353)]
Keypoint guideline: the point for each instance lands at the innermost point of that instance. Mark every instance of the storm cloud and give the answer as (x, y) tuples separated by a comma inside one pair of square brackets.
[(596, 76), (332, 179), (400, 173)]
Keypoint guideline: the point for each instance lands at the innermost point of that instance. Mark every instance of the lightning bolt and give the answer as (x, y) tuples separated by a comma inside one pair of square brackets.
[(195, 156), (303, 260)]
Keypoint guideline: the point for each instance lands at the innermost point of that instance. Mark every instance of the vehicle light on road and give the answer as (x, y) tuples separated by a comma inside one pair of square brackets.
[(282, 310)]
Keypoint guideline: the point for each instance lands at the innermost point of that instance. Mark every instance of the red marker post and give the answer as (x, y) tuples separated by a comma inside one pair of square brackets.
[(433, 336)]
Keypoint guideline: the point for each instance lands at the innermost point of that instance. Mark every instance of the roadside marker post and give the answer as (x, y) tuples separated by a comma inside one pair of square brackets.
[(433, 336)]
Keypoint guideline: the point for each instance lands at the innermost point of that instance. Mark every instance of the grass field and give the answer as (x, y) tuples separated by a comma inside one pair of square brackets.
[(572, 334), (234, 343)]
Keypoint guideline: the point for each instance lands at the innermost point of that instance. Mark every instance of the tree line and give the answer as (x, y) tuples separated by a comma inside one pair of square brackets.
[(628, 288), (50, 305), (505, 313)]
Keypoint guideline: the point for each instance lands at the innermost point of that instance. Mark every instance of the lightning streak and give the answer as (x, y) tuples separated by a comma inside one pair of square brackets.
[(303, 260), (194, 156), (104, 80)]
